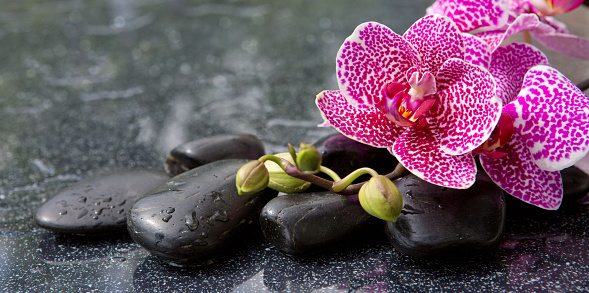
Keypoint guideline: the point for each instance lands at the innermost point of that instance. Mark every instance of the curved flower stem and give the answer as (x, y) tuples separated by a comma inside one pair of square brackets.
[(279, 161), (341, 184), (330, 173)]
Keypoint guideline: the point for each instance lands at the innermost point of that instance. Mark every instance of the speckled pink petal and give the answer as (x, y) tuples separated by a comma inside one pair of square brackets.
[(437, 39), (362, 123), (418, 149), (468, 108), (494, 38), (476, 51), (562, 42), (372, 56), (509, 66), (552, 116), (519, 176), (473, 14)]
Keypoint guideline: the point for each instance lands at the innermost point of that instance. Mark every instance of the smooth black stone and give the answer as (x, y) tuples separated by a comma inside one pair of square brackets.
[(196, 216), (344, 155), (304, 223), (202, 151), (575, 184), (98, 204), (436, 220)]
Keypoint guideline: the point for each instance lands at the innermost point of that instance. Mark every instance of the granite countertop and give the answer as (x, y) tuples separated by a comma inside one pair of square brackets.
[(87, 86)]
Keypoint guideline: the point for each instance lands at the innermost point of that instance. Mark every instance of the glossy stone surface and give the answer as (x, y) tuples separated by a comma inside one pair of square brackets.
[(437, 220), (99, 204), (198, 216), (344, 155), (306, 223), (575, 184), (93, 85), (202, 151)]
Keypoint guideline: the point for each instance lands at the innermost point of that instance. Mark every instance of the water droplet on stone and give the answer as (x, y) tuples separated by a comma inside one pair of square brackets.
[(121, 211), (122, 202), (191, 221), (200, 242), (62, 212), (82, 199), (108, 199), (204, 235), (220, 216), (170, 210), (166, 218), (441, 207)]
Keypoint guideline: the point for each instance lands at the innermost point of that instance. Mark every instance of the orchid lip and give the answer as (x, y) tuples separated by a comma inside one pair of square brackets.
[(500, 136), (405, 103)]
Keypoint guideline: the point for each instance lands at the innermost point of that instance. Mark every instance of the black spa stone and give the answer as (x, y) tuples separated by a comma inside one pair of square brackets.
[(98, 204), (305, 223), (437, 220), (196, 217), (344, 155), (198, 152), (575, 184)]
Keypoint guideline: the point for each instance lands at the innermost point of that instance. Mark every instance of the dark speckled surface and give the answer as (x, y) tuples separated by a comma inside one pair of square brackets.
[(92, 85)]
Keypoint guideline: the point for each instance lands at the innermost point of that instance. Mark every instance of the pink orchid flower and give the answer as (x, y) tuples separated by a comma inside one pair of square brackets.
[(543, 127), (416, 95), (500, 19)]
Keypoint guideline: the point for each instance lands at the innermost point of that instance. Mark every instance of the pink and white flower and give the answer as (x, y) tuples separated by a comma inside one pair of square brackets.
[(500, 19), (543, 129), (416, 95)]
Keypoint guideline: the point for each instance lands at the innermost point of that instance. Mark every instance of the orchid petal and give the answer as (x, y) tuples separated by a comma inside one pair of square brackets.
[(362, 123), (372, 56), (476, 51), (468, 108), (519, 176), (563, 42), (510, 64), (472, 14), (437, 39), (552, 115), (523, 22), (418, 149)]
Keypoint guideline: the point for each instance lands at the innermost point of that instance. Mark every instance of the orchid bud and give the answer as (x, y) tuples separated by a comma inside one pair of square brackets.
[(251, 178), (282, 182), (308, 158), (381, 198)]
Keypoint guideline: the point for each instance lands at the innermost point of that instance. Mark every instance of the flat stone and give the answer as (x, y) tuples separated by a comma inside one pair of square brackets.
[(202, 151), (575, 184), (305, 223), (344, 155), (98, 204), (195, 217), (437, 220)]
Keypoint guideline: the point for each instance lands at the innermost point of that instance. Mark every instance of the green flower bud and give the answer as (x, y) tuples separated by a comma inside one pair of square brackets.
[(251, 177), (280, 181), (308, 158), (381, 198)]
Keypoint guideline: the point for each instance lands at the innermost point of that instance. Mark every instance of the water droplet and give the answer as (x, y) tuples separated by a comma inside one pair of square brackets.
[(62, 212), (95, 217), (108, 199), (82, 213), (122, 202), (121, 211), (166, 218), (82, 199), (220, 216), (200, 242), (98, 212), (118, 259), (191, 221), (441, 207), (170, 210), (204, 235)]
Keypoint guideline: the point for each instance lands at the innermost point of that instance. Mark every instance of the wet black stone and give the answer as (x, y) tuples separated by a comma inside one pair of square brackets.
[(202, 151), (575, 184), (305, 223), (344, 155), (98, 204), (437, 220), (197, 216)]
